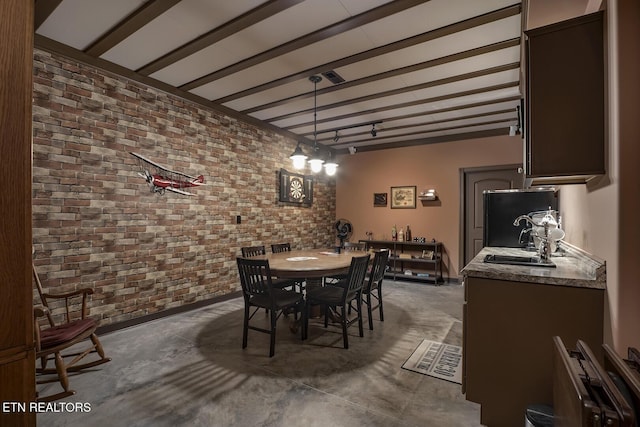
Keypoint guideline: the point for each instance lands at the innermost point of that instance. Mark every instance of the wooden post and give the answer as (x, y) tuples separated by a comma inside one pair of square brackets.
[(17, 360)]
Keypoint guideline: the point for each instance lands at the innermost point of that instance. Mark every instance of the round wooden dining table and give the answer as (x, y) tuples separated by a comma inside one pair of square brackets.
[(310, 263)]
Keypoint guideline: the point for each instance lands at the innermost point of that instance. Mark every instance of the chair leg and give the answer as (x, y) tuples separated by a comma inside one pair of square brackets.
[(345, 319), (369, 311), (97, 345), (62, 372), (380, 303), (359, 305), (272, 333), (326, 315), (245, 327), (303, 319)]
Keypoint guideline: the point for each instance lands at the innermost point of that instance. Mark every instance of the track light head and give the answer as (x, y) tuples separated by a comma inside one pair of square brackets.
[(336, 137), (373, 130)]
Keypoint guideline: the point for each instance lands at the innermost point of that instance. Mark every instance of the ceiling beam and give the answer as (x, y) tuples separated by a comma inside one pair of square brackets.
[(392, 73), (306, 40), (389, 129), (420, 132), (381, 50), (129, 25), (401, 90), (507, 85), (427, 140), (252, 17)]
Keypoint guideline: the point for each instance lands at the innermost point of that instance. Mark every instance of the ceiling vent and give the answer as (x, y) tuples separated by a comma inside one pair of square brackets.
[(333, 77)]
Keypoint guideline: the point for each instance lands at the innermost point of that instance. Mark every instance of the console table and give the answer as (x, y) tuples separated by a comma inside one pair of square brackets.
[(411, 257)]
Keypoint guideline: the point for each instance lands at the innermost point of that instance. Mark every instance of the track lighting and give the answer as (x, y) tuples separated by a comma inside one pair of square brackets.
[(373, 130), (336, 138)]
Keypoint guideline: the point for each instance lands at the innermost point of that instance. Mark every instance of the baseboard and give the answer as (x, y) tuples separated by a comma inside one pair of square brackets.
[(165, 313)]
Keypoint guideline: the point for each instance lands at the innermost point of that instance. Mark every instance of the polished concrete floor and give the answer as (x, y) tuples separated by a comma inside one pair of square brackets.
[(189, 369)]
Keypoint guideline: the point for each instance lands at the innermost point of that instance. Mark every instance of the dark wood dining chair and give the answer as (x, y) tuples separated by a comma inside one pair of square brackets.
[(347, 247), (54, 340), (354, 246), (276, 248), (258, 292), (341, 297), (249, 251), (372, 289)]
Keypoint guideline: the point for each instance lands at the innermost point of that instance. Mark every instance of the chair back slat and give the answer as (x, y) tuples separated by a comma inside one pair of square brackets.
[(378, 268), (249, 251), (281, 247), (353, 246), (43, 300), (356, 275), (255, 276)]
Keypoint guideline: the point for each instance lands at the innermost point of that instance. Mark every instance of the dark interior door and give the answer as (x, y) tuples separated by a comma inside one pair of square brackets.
[(475, 182)]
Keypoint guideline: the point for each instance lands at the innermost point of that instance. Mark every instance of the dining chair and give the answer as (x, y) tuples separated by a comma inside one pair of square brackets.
[(54, 341), (347, 247), (372, 289), (280, 247), (341, 296), (277, 248), (258, 291), (354, 246), (249, 251)]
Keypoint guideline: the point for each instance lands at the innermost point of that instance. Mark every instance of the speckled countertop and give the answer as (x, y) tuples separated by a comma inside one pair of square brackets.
[(573, 268)]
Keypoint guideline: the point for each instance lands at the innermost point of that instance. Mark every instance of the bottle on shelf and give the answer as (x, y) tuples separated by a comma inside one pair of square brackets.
[(394, 233), (407, 234), (401, 235)]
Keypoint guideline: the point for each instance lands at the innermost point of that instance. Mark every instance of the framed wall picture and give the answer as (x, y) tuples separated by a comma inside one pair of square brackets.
[(403, 197), (379, 199), (296, 188)]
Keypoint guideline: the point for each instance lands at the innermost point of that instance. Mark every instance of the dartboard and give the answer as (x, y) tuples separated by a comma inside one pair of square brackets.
[(295, 188)]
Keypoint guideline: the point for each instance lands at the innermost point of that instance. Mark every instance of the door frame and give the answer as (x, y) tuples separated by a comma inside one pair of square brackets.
[(463, 180)]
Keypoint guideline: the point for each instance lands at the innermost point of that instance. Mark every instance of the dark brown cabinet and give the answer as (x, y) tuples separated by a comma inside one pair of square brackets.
[(565, 100), (508, 330)]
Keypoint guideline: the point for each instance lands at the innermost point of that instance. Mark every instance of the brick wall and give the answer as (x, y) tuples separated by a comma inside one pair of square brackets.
[(97, 224)]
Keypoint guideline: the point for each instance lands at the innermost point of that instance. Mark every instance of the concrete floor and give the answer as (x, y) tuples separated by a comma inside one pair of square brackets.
[(189, 369)]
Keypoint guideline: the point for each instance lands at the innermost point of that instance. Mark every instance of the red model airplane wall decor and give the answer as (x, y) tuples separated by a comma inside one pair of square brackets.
[(161, 178)]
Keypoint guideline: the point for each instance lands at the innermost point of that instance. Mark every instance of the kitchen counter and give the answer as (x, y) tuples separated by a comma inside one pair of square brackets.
[(574, 267), (510, 316)]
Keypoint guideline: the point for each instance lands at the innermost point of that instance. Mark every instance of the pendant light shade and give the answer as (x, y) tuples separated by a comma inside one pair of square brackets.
[(330, 166), (316, 164), (298, 157)]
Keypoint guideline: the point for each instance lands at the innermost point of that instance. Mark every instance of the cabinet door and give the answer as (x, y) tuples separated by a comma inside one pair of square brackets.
[(565, 98)]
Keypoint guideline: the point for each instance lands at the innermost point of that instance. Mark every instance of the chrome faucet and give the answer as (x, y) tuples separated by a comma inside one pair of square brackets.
[(545, 243)]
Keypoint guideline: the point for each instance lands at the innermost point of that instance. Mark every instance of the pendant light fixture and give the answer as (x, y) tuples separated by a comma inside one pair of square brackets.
[(298, 157), (316, 160), (330, 166)]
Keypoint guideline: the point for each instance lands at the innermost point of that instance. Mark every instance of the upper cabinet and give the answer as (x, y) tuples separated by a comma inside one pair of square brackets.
[(565, 101)]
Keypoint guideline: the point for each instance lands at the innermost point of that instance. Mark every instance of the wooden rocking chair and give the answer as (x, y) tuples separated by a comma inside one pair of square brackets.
[(53, 340)]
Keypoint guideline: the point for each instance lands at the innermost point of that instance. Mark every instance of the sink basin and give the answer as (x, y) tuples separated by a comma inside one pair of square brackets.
[(518, 260)]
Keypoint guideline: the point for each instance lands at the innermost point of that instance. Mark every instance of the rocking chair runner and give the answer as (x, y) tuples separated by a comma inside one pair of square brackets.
[(52, 341)]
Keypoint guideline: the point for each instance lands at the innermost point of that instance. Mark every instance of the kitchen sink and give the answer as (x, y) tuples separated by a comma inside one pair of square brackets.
[(518, 260)]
